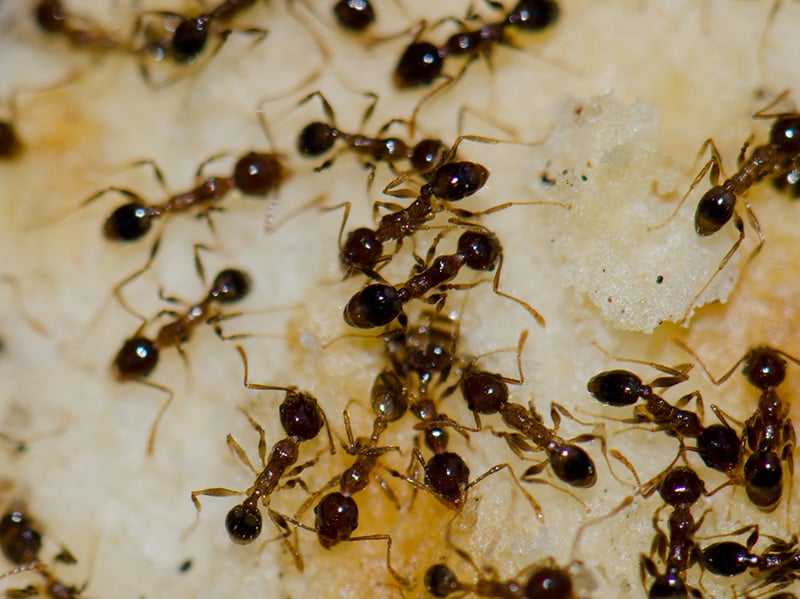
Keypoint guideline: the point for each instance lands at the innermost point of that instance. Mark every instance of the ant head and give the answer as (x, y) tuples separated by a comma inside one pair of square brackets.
[(785, 134), (336, 519), (19, 540), (573, 465), (763, 480), (316, 138), (668, 586), (616, 388), (374, 306), (485, 392), (190, 38), (481, 250), (300, 415), (533, 15), (441, 581), (719, 447), (9, 142), (457, 180), (427, 154), (243, 524), (448, 476), (726, 558), (129, 222), (50, 16), (355, 15), (549, 583), (714, 210), (258, 174), (362, 248), (681, 486), (764, 368), (230, 285), (137, 358), (420, 64)]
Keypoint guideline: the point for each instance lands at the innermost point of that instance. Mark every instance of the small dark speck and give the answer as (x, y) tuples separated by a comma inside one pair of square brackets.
[(584, 178), (659, 280), (546, 179), (610, 299), (185, 566)]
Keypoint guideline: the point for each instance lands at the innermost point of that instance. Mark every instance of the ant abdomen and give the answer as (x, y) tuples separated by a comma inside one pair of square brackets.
[(420, 64), (316, 138), (573, 465), (714, 210), (230, 285), (785, 134), (243, 524), (137, 358), (374, 306), (533, 15), (257, 173), (19, 540), (355, 15), (763, 476), (728, 558), (616, 388), (129, 222)]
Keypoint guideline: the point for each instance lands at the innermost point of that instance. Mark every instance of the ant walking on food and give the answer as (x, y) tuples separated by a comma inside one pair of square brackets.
[(777, 158)]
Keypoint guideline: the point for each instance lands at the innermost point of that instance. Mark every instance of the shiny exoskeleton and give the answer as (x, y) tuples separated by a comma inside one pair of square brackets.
[(354, 15), (544, 582), (680, 489), (255, 174), (139, 355), (422, 62), (450, 182), (302, 419), (53, 18)]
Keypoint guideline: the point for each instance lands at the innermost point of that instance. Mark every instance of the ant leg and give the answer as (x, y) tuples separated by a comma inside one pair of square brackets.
[(401, 580), (151, 440), (326, 107), (19, 302), (461, 213), (157, 172), (116, 292), (281, 522), (740, 227), (716, 381), (537, 509), (763, 113), (696, 395), (677, 374), (495, 287), (712, 165)]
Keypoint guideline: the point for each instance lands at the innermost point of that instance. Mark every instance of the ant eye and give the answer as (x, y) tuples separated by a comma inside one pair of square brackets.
[(128, 222), (243, 524)]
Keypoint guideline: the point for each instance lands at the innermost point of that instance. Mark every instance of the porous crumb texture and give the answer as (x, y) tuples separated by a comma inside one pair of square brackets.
[(594, 128)]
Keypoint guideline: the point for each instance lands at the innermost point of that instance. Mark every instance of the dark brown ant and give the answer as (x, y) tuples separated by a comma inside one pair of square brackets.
[(354, 15), (729, 558), (254, 174), (768, 434), (20, 539), (422, 62), (478, 248), (302, 419), (680, 488), (487, 393), (10, 144), (717, 206), (318, 137), (546, 582), (187, 36), (53, 18), (139, 355)]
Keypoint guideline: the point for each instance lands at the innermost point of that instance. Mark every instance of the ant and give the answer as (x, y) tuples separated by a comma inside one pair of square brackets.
[(187, 37), (546, 581), (478, 248), (422, 62), (487, 393), (717, 206), (768, 434), (254, 174), (10, 144), (680, 487), (302, 419), (728, 558), (52, 587), (139, 355), (718, 445), (318, 137), (53, 18)]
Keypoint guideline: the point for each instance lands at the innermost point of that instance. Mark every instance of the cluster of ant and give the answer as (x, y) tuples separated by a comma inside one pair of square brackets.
[(423, 364)]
